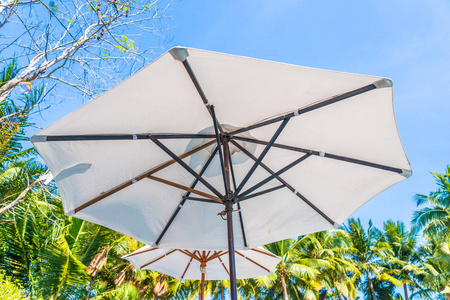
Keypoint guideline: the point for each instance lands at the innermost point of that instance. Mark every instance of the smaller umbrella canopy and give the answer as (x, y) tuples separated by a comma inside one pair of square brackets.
[(198, 264)]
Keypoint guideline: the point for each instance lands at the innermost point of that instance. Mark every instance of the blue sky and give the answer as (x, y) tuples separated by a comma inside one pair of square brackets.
[(408, 41)]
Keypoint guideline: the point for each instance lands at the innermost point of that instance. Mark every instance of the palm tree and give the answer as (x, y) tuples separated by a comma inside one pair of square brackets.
[(292, 272), (434, 221), (403, 246), (9, 290), (434, 275), (367, 252), (215, 289), (333, 247), (435, 218)]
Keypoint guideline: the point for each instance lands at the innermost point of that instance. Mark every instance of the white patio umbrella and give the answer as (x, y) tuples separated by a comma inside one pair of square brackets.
[(171, 152), (204, 265)]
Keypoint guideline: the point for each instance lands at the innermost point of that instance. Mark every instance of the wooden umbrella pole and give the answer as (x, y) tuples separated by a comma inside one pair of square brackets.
[(229, 211), (202, 285)]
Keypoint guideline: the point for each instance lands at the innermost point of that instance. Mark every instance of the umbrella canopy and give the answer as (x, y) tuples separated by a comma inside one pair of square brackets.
[(186, 264), (110, 165), (198, 136)]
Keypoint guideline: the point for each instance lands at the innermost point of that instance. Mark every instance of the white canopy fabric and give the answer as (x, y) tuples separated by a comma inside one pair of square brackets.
[(340, 131), (185, 264)]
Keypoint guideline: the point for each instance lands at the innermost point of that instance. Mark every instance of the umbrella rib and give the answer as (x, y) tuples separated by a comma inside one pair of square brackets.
[(202, 200), (188, 189), (222, 164), (222, 254), (192, 255), (185, 166), (241, 221), (322, 154), (187, 267), (286, 184), (251, 260), (223, 265), (140, 177), (215, 255), (262, 155), (262, 252), (155, 260), (260, 193), (180, 205), (274, 175), (117, 137), (136, 253), (312, 107), (199, 89)]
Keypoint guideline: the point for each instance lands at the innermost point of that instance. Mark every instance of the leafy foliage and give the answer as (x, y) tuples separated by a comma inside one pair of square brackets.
[(9, 290)]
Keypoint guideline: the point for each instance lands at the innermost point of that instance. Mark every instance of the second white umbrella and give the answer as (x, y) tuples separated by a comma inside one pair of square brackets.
[(204, 264)]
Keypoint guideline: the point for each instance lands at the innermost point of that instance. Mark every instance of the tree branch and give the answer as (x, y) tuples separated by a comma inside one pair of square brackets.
[(24, 192)]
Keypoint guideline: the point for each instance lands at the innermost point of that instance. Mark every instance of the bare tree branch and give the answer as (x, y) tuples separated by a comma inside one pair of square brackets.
[(24, 192), (86, 46)]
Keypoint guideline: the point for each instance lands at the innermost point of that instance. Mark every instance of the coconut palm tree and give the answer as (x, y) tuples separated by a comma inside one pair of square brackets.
[(434, 219), (214, 289), (367, 252), (293, 273), (434, 276), (401, 262), (333, 247)]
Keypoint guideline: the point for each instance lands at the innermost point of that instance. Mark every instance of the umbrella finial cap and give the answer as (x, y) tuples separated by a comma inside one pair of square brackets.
[(406, 173), (38, 139), (179, 53), (385, 82)]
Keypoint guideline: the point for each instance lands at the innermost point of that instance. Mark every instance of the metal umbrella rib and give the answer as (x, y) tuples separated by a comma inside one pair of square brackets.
[(274, 175), (309, 108), (222, 164), (185, 166), (139, 177), (273, 189), (241, 219), (180, 205), (118, 137), (286, 184), (202, 95), (261, 156), (323, 154)]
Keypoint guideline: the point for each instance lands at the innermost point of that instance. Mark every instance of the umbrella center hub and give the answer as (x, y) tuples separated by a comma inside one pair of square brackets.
[(197, 160), (229, 204)]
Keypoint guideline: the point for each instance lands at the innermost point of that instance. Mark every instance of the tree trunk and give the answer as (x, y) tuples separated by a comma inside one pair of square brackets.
[(91, 285), (283, 284), (222, 294), (405, 288), (374, 297), (322, 294)]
